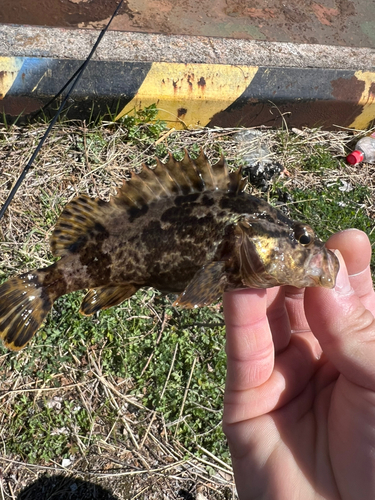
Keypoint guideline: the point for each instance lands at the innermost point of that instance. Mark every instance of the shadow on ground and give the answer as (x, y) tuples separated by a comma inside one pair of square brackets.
[(64, 488)]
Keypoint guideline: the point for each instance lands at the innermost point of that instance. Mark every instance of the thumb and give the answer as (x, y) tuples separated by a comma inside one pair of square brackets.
[(344, 328)]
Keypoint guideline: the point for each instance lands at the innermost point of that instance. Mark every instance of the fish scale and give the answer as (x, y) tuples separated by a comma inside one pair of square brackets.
[(185, 227)]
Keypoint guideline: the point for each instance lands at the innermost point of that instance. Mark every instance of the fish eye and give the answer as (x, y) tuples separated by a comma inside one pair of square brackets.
[(304, 234), (304, 239)]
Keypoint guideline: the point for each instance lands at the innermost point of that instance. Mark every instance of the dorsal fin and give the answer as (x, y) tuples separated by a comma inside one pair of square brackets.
[(237, 183), (177, 173), (136, 190), (205, 170), (80, 216), (221, 174), (178, 177), (191, 172)]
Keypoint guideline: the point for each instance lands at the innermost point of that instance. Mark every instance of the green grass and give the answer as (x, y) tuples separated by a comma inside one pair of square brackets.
[(143, 126), (333, 206), (41, 433), (192, 338)]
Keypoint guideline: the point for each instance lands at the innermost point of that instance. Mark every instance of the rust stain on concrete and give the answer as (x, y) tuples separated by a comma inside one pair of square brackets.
[(324, 14), (65, 13), (202, 82), (329, 22), (242, 11), (181, 112)]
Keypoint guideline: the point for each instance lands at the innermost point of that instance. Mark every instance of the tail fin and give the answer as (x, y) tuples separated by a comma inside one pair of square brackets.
[(24, 303)]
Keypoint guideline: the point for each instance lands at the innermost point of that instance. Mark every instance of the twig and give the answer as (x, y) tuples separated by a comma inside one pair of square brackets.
[(185, 396), (156, 343), (88, 161), (161, 395), (21, 391), (164, 136), (230, 470)]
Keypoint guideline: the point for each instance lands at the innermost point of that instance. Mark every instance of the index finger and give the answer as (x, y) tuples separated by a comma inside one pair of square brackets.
[(249, 344)]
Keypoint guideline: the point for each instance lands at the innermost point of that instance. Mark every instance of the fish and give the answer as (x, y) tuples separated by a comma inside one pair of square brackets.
[(184, 227)]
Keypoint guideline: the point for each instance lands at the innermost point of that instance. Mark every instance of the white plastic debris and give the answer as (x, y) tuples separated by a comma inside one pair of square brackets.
[(346, 186), (66, 462), (256, 153), (260, 163)]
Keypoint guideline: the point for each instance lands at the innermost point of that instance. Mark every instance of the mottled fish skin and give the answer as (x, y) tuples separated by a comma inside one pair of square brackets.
[(185, 227)]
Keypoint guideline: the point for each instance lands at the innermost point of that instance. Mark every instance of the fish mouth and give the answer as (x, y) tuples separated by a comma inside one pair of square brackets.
[(323, 269)]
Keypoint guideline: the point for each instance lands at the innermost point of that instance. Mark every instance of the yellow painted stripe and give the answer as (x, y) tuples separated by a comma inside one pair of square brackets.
[(9, 68), (367, 100), (190, 94)]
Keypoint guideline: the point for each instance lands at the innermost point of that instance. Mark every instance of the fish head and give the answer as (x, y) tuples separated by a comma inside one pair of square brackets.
[(284, 252)]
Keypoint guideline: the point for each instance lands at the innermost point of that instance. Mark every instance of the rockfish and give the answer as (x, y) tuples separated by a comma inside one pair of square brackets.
[(185, 227)]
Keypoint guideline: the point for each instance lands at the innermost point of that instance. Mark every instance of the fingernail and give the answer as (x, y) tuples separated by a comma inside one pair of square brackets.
[(365, 270), (343, 285)]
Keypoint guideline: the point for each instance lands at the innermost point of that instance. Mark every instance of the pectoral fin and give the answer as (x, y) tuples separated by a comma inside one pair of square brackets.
[(105, 297), (251, 266), (206, 287)]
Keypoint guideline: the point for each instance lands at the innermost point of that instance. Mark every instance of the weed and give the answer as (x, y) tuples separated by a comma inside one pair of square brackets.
[(321, 160), (41, 431), (143, 125)]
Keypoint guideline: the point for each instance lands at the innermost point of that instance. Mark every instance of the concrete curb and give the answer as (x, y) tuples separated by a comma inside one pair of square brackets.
[(195, 81), (59, 43)]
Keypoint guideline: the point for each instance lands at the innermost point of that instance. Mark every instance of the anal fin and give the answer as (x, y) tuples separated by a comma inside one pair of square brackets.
[(206, 287), (105, 297)]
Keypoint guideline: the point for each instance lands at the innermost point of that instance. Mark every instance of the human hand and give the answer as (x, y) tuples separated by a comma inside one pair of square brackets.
[(299, 404)]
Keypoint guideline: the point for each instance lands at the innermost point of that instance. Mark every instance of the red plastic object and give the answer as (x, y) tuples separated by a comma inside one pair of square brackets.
[(355, 157)]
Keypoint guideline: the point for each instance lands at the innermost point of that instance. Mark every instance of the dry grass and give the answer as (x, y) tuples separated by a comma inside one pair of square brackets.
[(77, 159), (153, 465), (134, 453)]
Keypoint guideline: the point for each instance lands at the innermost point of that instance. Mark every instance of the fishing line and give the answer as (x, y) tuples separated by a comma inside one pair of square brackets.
[(74, 80)]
